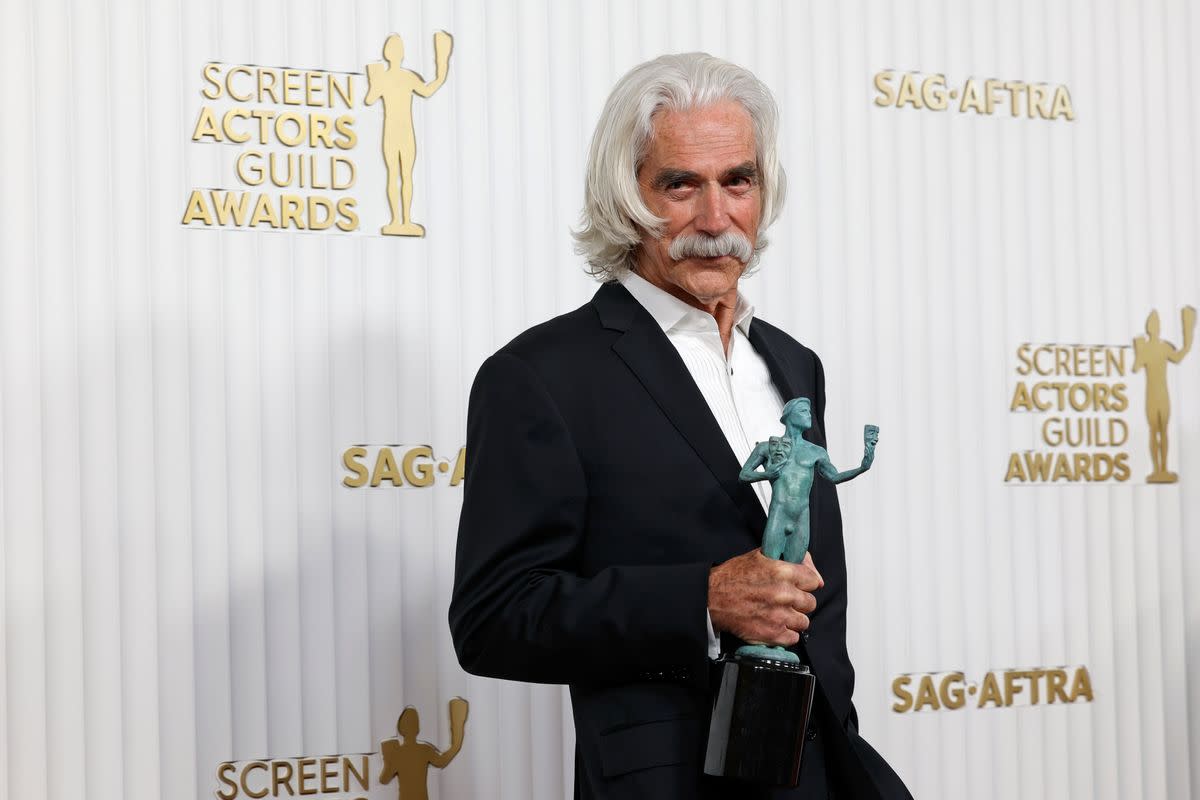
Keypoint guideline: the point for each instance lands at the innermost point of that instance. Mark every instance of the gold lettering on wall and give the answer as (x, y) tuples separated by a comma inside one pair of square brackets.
[(986, 96), (937, 691), (1079, 394), (398, 465), (297, 130), (287, 148), (402, 761)]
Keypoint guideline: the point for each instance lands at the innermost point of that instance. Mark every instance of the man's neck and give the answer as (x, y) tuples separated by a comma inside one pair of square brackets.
[(723, 309)]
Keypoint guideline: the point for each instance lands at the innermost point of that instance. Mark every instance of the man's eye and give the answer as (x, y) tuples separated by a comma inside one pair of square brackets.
[(675, 186)]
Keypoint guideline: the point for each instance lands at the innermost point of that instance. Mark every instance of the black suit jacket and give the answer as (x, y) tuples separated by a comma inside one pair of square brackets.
[(600, 491)]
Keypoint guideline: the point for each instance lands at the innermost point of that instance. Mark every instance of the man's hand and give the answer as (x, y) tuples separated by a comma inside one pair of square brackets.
[(763, 600)]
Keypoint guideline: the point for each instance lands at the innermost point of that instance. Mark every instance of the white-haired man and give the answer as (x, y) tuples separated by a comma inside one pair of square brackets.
[(605, 539)]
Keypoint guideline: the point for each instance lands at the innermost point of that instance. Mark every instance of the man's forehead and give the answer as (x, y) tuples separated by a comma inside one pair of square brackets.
[(721, 132)]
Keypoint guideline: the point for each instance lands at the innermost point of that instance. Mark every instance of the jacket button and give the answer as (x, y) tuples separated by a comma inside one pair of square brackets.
[(812, 733)]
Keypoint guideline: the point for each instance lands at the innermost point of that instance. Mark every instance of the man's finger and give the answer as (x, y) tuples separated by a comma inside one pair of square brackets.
[(805, 603), (808, 561), (786, 638), (804, 577), (788, 596), (799, 622)]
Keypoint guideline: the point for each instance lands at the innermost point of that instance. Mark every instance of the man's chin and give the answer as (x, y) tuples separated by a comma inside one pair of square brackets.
[(711, 291)]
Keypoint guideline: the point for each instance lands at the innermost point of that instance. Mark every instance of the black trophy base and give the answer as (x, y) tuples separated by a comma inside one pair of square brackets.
[(759, 721)]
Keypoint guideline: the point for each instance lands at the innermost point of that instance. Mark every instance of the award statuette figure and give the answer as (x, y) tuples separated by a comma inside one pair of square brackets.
[(397, 86), (765, 697)]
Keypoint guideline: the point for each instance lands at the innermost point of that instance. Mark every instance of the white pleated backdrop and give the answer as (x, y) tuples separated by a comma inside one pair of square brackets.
[(186, 581)]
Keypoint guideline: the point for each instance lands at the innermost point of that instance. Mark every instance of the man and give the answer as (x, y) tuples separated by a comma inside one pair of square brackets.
[(605, 539)]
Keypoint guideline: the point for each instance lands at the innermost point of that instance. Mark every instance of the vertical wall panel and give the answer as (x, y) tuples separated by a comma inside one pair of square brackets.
[(167, 112), (138, 485), (1178, 165), (24, 546), (1185, 22), (72, 336)]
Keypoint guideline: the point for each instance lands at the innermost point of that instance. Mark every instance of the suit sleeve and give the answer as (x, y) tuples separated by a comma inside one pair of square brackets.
[(520, 608)]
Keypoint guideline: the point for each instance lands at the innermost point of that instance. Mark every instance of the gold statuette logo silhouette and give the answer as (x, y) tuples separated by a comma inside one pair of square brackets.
[(396, 86), (408, 759), (1152, 354)]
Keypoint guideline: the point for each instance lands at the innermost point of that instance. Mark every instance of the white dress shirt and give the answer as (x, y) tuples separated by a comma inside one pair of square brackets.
[(736, 385)]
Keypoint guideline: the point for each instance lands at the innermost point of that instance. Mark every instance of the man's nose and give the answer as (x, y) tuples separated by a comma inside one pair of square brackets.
[(713, 216)]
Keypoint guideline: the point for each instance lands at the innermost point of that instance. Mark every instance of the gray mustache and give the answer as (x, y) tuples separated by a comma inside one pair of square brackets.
[(699, 245)]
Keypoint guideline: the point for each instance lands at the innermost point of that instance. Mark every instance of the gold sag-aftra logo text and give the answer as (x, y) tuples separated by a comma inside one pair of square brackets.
[(293, 140), (402, 761), (983, 97), (997, 688), (412, 465), (1082, 407)]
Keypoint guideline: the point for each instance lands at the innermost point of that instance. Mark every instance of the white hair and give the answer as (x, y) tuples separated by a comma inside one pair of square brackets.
[(614, 214)]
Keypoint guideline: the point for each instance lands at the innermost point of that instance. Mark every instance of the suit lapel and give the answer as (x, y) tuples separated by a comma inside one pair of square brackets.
[(655, 362), (781, 370), (785, 376)]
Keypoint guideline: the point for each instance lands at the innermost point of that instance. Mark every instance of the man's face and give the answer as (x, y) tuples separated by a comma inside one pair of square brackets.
[(700, 176)]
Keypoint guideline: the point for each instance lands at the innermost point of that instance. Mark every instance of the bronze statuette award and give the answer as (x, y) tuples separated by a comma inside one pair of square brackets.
[(765, 699)]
